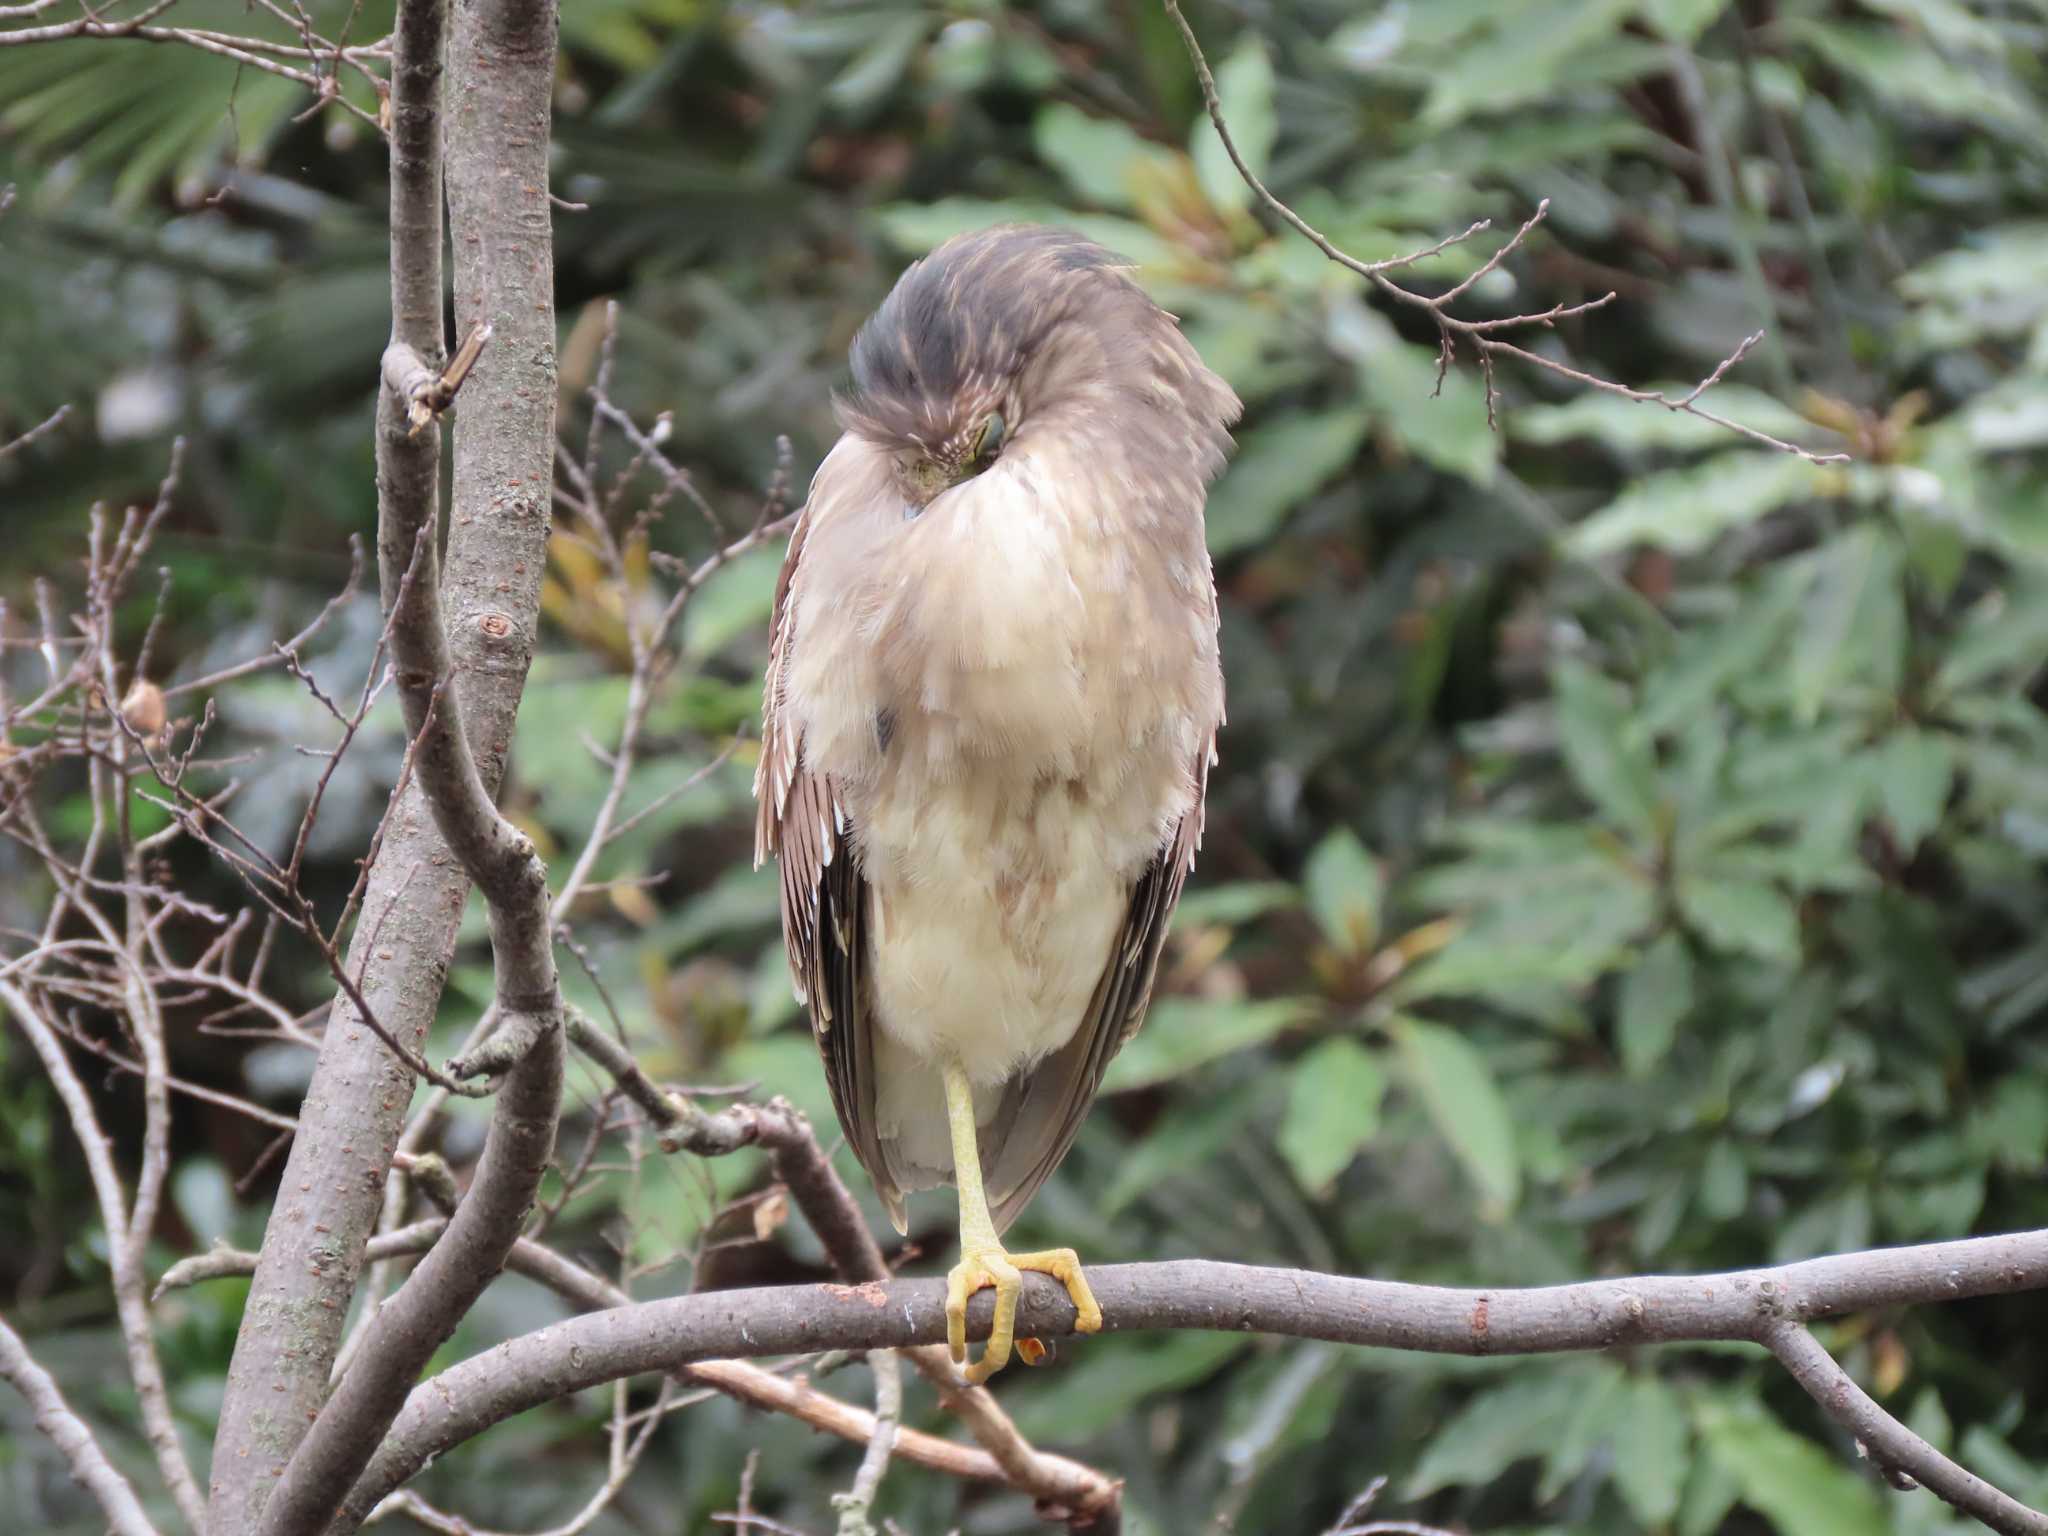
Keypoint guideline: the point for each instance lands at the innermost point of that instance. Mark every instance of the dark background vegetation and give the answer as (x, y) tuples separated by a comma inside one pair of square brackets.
[(1627, 847)]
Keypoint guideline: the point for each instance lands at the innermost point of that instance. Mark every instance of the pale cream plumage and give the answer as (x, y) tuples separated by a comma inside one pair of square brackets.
[(992, 698)]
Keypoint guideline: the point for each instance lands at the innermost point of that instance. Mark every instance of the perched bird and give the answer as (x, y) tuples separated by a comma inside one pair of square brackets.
[(992, 701)]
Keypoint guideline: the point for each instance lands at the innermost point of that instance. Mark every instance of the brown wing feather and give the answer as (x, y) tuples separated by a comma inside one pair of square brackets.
[(1043, 1110), (802, 821)]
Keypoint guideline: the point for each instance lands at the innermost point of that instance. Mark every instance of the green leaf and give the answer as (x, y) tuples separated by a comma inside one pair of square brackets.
[(205, 1198), (1902, 68), (2005, 634), (921, 226), (735, 601), (1709, 1494), (1656, 995), (1344, 886), (1333, 1110), (1186, 1136), (1997, 285), (1802, 1489), (1184, 1033), (1681, 21), (1724, 1181), (1465, 1104), (1244, 83), (1854, 621), (1592, 1422), (875, 70), (1526, 944), (1912, 773), (1240, 902), (1520, 60), (1101, 1389), (1684, 510), (1744, 915), (1280, 463), (1099, 156), (1493, 1431), (1609, 760), (1710, 661), (1650, 1451), (1443, 424)]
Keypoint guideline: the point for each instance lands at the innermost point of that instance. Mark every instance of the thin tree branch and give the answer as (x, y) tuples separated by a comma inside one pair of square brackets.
[(1888, 1442), (221, 1261), (588, 1291), (858, 1502), (123, 1258), (90, 1468), (501, 75), (49, 424), (275, 657), (250, 53), (1062, 1489), (1744, 1305), (329, 1197), (1451, 328)]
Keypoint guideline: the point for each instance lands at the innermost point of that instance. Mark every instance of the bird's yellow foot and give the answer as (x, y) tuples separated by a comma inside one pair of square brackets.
[(991, 1266)]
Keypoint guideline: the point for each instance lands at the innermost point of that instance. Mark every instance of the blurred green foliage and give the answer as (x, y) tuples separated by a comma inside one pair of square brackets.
[(1627, 850)]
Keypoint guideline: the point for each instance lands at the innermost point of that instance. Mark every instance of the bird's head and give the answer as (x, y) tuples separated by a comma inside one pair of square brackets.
[(1005, 338)]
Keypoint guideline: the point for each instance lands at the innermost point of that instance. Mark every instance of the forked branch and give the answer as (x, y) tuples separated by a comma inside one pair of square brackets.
[(1479, 334)]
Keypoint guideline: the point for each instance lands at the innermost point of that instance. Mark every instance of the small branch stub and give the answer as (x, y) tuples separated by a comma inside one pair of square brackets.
[(426, 393)]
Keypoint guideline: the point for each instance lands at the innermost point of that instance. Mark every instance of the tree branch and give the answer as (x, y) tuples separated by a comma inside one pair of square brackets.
[(90, 1468), (124, 1258), (501, 76), (246, 52), (858, 1502), (354, 1109), (1477, 333), (1888, 1442), (588, 1291), (1746, 1305)]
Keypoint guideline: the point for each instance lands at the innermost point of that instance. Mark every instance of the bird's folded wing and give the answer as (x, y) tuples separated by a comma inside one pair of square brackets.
[(1043, 1110), (801, 820)]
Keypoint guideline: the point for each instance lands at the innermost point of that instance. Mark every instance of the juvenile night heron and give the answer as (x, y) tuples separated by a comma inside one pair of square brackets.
[(993, 695)]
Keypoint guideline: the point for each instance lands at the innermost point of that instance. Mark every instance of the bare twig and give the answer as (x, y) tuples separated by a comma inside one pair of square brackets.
[(1889, 1443), (49, 424), (856, 1503), (1451, 328), (53, 1416), (123, 1256), (292, 647), (245, 52)]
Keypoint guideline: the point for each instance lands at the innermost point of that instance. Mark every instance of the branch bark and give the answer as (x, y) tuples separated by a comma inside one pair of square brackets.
[(354, 1109), (90, 1468), (501, 78), (313, 1252), (1062, 1490), (124, 1258), (588, 1291), (1745, 1305), (1888, 1442)]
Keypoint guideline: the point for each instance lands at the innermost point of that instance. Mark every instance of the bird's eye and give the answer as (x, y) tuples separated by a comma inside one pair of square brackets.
[(990, 442)]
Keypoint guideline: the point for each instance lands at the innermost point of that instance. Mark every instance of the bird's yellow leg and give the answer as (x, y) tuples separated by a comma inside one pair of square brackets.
[(982, 1259)]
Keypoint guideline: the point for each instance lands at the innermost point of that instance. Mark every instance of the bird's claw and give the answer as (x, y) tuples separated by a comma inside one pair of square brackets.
[(991, 1266)]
